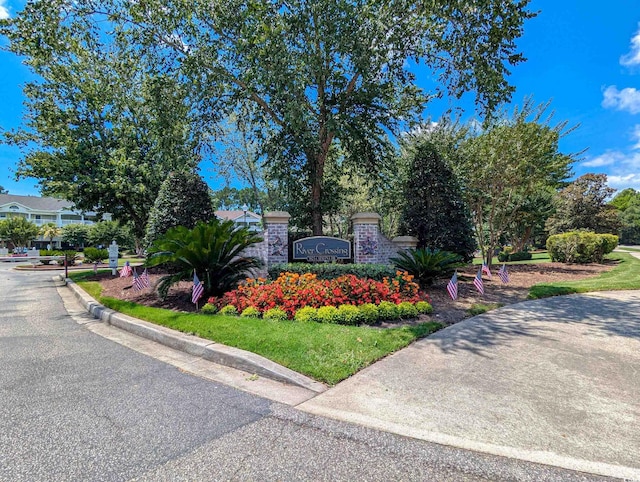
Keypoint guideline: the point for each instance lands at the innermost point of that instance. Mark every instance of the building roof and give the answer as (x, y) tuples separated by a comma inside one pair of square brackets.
[(36, 203), (237, 215)]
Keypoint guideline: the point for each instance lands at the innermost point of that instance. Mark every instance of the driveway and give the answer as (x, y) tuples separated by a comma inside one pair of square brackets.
[(554, 381)]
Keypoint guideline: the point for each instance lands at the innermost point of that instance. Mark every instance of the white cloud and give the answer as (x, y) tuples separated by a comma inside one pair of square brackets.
[(633, 57), (606, 159), (624, 181), (4, 11), (635, 136), (626, 99), (622, 168)]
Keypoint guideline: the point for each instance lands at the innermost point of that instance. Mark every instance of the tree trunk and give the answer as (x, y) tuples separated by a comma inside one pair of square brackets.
[(316, 161)]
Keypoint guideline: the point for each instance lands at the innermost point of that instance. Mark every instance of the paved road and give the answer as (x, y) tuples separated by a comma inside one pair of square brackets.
[(77, 406)]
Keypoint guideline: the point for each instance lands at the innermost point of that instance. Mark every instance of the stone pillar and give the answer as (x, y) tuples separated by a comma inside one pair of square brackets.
[(276, 233), (366, 231), (404, 243)]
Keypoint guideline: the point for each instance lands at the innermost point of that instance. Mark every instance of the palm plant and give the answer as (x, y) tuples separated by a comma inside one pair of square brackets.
[(50, 231), (212, 249), (426, 265)]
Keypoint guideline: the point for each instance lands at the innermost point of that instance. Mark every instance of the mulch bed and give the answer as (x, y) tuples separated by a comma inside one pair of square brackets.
[(446, 311)]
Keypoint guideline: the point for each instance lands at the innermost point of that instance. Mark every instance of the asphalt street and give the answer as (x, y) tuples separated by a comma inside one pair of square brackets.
[(77, 406)]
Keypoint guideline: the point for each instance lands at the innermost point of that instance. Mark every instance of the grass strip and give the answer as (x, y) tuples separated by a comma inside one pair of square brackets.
[(536, 258), (625, 276), (325, 352)]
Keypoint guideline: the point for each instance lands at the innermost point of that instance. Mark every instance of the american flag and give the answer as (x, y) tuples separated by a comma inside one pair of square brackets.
[(137, 281), (144, 278), (95, 268), (486, 270), (477, 282), (125, 272), (198, 289), (452, 286), (503, 274)]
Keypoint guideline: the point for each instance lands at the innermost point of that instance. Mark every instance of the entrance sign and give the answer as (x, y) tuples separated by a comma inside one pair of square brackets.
[(321, 248)]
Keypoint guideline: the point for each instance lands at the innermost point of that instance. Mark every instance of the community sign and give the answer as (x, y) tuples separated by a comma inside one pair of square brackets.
[(321, 248)]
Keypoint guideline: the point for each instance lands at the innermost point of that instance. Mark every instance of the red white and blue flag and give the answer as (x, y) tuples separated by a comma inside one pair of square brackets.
[(452, 286), (126, 271), (198, 289), (144, 279), (137, 282), (503, 274), (477, 282), (486, 270)]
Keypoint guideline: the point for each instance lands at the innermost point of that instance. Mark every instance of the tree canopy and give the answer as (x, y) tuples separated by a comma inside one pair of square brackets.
[(18, 230)]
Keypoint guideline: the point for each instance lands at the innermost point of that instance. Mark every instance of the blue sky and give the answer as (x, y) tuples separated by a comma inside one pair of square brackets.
[(582, 55)]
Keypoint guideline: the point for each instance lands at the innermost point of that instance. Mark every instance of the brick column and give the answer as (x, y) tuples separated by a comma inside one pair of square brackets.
[(276, 234), (404, 243), (366, 230)]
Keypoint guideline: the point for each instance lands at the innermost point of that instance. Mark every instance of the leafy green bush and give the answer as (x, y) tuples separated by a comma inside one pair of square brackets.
[(388, 311), (276, 314), (424, 308), (95, 255), (209, 309), (580, 246), (521, 256), (407, 310), (250, 312), (308, 313), (71, 257), (369, 312), (426, 265), (228, 310), (50, 252), (328, 314), (212, 249), (350, 315), (332, 270)]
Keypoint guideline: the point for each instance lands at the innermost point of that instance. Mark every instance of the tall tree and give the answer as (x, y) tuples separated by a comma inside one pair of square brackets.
[(583, 205), (50, 231), (311, 76), (18, 230), (105, 124)]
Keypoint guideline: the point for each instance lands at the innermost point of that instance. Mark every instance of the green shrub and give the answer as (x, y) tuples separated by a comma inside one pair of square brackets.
[(49, 252), (369, 312), (426, 265), (250, 312), (407, 310), (308, 313), (424, 308), (229, 310), (70, 256), (276, 314), (521, 256), (333, 270), (328, 314), (580, 246), (350, 315), (503, 257), (95, 255), (388, 311), (209, 309)]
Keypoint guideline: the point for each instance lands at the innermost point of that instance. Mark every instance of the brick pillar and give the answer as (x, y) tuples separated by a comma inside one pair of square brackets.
[(276, 233), (404, 243), (366, 231)]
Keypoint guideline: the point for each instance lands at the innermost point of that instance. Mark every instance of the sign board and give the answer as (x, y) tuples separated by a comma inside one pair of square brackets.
[(321, 249)]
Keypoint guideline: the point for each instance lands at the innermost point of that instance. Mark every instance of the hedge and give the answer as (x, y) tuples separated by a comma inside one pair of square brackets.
[(580, 247)]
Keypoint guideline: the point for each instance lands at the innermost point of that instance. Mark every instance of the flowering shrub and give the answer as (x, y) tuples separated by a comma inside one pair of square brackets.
[(292, 291)]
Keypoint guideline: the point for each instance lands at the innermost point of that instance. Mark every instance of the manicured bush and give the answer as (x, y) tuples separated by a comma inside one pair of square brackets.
[(580, 246), (70, 256), (521, 256), (306, 314), (370, 314), (350, 315), (276, 314), (95, 255), (388, 311), (49, 252), (250, 312), (209, 309), (426, 265), (407, 310), (229, 310), (424, 308), (328, 271), (328, 314)]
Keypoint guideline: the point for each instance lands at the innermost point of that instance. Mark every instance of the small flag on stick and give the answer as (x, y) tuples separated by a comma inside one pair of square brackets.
[(144, 279), (486, 270), (452, 286), (477, 282), (198, 289), (503, 274), (95, 268), (137, 281), (125, 272)]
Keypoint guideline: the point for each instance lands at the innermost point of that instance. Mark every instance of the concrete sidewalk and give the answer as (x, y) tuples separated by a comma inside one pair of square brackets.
[(554, 381)]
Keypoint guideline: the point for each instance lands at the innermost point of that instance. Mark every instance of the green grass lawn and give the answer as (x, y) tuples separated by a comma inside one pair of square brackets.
[(625, 276), (628, 248), (536, 258), (326, 352)]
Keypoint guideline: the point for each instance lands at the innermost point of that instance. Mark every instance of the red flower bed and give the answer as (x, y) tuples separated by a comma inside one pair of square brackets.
[(293, 291)]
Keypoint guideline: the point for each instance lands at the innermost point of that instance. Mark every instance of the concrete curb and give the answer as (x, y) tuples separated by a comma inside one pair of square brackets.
[(205, 349)]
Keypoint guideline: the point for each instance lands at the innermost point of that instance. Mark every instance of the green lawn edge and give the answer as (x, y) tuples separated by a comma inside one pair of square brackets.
[(325, 352), (625, 276)]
